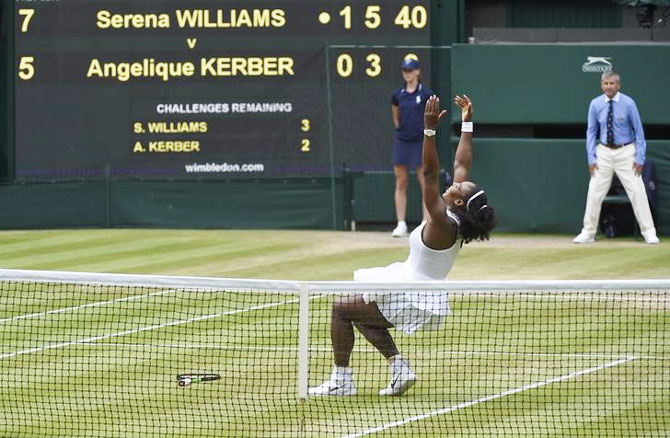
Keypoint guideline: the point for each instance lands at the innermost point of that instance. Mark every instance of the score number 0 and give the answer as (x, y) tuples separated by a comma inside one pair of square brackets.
[(345, 65)]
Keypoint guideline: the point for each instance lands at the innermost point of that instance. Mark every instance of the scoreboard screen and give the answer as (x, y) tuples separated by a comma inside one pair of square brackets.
[(208, 88)]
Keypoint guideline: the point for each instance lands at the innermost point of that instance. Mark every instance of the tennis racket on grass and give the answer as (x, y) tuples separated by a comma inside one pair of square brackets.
[(187, 379)]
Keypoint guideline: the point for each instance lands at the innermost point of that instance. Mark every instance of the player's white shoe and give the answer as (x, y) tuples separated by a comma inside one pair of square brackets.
[(400, 230), (341, 384), (584, 238), (402, 378), (651, 238)]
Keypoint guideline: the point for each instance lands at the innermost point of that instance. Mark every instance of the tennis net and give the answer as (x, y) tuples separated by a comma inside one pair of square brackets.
[(155, 356)]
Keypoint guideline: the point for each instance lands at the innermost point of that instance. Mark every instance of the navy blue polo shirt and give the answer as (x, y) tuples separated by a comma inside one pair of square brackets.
[(411, 107)]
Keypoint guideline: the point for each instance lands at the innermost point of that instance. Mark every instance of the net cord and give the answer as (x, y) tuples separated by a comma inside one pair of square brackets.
[(235, 284)]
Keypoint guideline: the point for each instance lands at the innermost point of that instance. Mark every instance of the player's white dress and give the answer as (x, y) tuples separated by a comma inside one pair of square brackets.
[(409, 311)]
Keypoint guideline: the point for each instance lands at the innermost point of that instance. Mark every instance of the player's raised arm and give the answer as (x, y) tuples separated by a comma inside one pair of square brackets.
[(431, 163), (463, 158)]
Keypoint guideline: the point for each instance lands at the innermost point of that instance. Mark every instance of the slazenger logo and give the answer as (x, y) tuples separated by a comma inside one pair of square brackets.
[(596, 64)]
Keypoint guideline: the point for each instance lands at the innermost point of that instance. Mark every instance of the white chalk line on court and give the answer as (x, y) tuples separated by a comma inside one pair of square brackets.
[(534, 296), (564, 297), (151, 327), (492, 397), (83, 306), (328, 349)]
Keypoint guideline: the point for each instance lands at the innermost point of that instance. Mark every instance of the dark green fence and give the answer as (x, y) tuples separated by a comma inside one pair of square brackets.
[(281, 203)]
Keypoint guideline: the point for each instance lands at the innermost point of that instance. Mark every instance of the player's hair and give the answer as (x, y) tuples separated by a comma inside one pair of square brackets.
[(477, 217)]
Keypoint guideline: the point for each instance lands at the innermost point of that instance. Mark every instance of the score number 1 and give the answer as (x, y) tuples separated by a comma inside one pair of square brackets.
[(407, 17), (26, 67)]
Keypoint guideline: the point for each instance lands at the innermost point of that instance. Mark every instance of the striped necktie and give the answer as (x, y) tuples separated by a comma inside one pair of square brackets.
[(610, 123)]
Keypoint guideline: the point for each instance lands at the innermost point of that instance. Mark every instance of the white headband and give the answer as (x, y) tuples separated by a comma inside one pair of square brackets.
[(479, 193)]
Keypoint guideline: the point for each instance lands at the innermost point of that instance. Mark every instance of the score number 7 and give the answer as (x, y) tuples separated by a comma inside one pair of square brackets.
[(26, 68), (27, 16)]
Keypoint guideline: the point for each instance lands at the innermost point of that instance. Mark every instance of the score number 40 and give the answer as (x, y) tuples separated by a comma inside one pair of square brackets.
[(416, 17)]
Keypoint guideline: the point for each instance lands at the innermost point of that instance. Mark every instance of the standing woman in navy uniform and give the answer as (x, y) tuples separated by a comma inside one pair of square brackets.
[(407, 106)]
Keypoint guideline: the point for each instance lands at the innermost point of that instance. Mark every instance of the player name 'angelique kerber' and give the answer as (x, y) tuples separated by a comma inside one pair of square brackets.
[(209, 67), (194, 18)]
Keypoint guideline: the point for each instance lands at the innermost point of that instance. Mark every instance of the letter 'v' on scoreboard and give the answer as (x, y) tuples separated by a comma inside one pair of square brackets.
[(162, 89)]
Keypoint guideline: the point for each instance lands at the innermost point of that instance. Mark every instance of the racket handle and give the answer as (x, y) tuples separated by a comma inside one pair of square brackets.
[(185, 381)]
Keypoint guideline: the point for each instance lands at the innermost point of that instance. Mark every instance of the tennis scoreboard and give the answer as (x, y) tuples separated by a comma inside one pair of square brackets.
[(198, 89)]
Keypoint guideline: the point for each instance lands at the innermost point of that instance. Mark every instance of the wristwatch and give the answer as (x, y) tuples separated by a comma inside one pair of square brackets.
[(429, 132)]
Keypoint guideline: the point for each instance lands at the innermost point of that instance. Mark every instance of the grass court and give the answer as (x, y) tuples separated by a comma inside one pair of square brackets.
[(102, 361)]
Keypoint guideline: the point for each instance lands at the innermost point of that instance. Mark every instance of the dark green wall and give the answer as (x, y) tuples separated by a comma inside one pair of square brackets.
[(544, 83), (563, 14), (373, 198), (172, 204), (6, 92), (541, 185), (534, 185), (448, 18)]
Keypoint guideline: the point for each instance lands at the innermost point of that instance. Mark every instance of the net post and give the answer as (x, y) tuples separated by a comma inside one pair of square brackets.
[(303, 342)]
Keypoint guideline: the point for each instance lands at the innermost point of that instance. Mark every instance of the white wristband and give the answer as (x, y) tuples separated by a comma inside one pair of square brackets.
[(466, 126), (429, 132)]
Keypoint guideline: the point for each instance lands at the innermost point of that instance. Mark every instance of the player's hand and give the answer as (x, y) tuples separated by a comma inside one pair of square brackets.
[(638, 169), (432, 116), (466, 107), (592, 169)]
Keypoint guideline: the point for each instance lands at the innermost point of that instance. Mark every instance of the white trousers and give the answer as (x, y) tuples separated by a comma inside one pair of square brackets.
[(619, 161)]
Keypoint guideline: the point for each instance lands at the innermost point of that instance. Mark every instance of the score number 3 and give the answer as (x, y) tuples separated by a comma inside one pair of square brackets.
[(345, 65), (305, 143), (26, 67)]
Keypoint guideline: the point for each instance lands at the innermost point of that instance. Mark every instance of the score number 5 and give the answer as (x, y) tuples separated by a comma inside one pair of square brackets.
[(416, 17), (26, 67)]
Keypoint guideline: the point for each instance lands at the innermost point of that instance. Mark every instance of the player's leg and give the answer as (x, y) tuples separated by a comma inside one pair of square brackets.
[(401, 173), (375, 328), (599, 185), (634, 186), (349, 310), (402, 375)]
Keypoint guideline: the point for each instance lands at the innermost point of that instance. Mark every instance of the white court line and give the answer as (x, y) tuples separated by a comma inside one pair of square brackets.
[(139, 297), (327, 349), (96, 304), (491, 397), (152, 327), (595, 298), (562, 297)]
